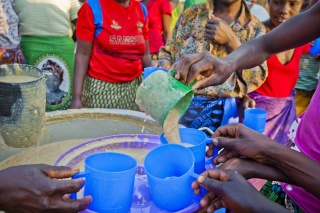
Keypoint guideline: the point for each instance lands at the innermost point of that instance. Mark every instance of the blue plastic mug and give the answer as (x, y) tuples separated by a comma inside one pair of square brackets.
[(148, 70), (315, 49), (255, 119), (169, 170), (197, 141), (109, 179)]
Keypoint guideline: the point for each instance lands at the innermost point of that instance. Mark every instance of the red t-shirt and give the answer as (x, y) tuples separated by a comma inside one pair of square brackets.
[(282, 78), (156, 8), (118, 35)]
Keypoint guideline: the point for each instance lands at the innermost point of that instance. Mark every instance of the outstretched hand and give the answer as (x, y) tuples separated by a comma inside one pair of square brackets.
[(228, 189), (40, 188), (239, 140)]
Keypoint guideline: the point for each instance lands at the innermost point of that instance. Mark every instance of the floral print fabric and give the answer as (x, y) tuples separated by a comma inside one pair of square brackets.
[(189, 37), (9, 37)]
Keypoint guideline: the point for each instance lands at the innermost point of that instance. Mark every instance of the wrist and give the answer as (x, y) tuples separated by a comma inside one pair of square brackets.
[(229, 65), (233, 44), (271, 153)]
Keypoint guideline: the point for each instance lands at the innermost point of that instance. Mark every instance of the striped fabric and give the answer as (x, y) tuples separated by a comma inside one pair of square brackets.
[(102, 94), (309, 73)]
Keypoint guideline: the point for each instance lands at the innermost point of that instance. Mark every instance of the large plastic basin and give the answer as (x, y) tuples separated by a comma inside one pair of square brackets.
[(65, 129)]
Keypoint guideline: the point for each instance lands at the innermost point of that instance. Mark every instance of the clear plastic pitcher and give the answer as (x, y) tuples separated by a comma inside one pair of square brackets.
[(22, 104), (160, 93)]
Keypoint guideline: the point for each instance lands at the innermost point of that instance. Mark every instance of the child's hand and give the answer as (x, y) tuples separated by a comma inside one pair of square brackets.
[(247, 102)]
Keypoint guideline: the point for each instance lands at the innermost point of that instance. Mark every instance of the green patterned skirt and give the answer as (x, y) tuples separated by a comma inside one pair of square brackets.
[(273, 191), (53, 54), (102, 94)]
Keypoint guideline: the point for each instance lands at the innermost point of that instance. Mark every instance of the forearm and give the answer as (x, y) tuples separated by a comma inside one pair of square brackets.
[(257, 50), (166, 36), (302, 170), (248, 55), (266, 172), (146, 59), (166, 19), (269, 206), (80, 71), (233, 44)]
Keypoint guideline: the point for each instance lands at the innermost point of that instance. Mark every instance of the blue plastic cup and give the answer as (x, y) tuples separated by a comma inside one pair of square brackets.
[(109, 179), (315, 49), (255, 119), (169, 170), (197, 141), (148, 70)]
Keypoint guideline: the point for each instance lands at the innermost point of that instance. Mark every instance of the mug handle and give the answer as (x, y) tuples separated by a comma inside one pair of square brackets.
[(209, 141), (203, 191), (73, 196)]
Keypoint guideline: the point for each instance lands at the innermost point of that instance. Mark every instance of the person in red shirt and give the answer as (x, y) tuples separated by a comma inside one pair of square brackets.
[(159, 14), (112, 50), (276, 94)]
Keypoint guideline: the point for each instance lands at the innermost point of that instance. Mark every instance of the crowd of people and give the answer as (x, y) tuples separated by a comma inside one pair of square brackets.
[(97, 50)]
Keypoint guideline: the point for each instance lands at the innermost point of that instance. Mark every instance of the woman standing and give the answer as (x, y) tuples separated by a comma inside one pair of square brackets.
[(46, 29), (159, 14), (218, 26), (112, 50), (276, 95)]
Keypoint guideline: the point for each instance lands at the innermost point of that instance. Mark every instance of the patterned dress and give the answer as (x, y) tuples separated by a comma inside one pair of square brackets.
[(189, 37), (9, 35)]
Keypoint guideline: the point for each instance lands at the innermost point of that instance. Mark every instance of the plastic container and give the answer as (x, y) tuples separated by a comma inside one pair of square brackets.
[(196, 141), (109, 179), (160, 93), (315, 49), (169, 169), (148, 70), (255, 119)]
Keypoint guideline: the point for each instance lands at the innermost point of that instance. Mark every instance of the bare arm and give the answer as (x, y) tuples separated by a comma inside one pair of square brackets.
[(146, 59), (81, 64), (238, 140), (251, 169), (174, 3), (166, 19), (302, 170), (296, 31)]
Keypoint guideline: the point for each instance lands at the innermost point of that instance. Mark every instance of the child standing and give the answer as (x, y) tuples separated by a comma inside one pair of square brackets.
[(276, 95)]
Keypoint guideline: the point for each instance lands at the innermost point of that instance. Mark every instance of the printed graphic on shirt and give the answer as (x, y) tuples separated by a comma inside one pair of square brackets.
[(58, 84), (115, 25), (124, 40), (292, 135), (140, 26)]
